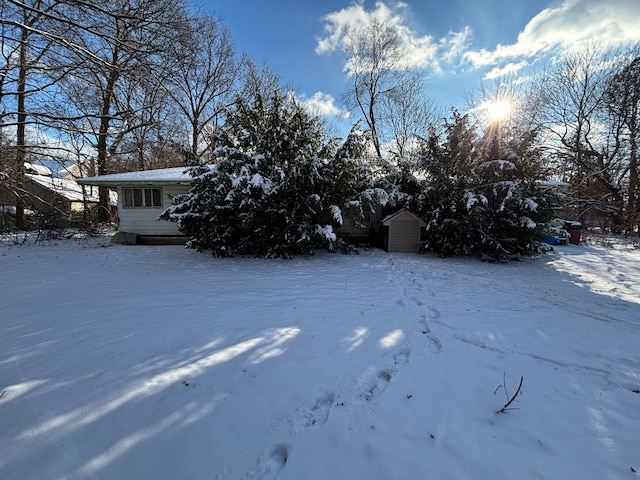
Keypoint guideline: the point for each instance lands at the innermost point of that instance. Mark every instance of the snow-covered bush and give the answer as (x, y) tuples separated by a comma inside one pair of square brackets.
[(356, 183), (264, 194)]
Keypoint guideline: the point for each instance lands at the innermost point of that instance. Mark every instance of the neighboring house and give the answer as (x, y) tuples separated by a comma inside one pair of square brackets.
[(45, 193), (366, 232), (78, 170), (142, 197)]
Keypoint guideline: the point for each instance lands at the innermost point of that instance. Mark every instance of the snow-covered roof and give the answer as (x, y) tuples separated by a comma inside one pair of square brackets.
[(385, 221), (76, 170), (68, 188), (36, 169), (163, 176)]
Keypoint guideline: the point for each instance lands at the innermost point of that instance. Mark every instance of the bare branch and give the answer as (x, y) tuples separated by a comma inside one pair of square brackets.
[(510, 401)]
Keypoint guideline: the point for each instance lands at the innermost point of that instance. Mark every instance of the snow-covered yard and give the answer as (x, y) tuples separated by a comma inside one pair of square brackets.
[(154, 362)]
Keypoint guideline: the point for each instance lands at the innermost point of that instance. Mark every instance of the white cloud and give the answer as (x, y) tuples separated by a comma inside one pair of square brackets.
[(509, 68), (566, 25), (453, 46), (419, 51), (323, 104)]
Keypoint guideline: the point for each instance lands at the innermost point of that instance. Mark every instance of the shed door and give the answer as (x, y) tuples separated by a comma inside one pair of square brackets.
[(404, 235)]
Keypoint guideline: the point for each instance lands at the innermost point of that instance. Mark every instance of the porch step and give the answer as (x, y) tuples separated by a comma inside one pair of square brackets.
[(162, 239)]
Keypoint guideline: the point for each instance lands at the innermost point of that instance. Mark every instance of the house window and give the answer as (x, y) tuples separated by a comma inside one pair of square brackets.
[(142, 197)]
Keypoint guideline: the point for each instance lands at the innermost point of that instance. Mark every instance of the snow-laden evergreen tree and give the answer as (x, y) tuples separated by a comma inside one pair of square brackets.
[(264, 195), (513, 207), (448, 165), (483, 194), (355, 187)]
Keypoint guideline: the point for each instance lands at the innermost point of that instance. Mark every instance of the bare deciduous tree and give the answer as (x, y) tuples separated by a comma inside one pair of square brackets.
[(409, 113), (573, 108), (148, 106), (25, 75), (623, 98), (258, 80), (204, 79), (113, 46), (377, 69)]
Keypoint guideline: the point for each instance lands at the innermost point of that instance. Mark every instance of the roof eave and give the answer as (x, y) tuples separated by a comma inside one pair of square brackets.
[(133, 183)]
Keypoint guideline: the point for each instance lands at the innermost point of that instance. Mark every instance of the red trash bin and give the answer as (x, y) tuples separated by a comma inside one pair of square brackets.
[(574, 233)]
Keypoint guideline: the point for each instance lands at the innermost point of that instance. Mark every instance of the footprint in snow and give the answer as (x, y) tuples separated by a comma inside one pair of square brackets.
[(417, 301), (319, 413), (383, 379), (435, 345), (418, 284), (434, 313), (271, 466), (401, 357)]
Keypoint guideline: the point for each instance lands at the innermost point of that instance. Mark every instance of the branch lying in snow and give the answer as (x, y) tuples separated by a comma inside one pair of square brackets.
[(509, 400)]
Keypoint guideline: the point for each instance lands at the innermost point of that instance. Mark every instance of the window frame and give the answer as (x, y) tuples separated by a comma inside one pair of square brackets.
[(141, 197)]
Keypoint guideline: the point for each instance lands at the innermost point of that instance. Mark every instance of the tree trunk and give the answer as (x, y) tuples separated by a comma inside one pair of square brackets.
[(20, 130), (633, 204), (104, 213), (195, 134)]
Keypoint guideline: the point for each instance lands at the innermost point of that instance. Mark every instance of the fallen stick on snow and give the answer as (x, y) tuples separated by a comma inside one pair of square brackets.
[(506, 405)]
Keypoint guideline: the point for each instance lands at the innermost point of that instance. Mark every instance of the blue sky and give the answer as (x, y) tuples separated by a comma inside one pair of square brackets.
[(455, 44)]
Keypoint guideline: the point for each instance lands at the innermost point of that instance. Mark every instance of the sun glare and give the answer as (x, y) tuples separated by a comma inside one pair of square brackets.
[(498, 110)]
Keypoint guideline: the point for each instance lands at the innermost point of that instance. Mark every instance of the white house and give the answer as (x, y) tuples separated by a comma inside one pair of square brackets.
[(142, 197)]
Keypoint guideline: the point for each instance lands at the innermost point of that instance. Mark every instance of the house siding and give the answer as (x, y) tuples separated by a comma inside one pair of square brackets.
[(144, 221), (371, 226)]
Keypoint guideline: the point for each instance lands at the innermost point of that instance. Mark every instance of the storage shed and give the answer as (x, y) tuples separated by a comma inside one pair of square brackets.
[(402, 231)]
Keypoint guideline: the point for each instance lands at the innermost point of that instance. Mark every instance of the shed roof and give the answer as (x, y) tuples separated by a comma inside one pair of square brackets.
[(162, 176), (389, 218)]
